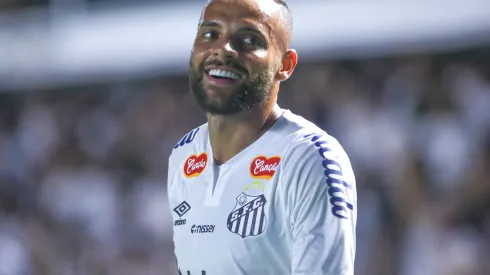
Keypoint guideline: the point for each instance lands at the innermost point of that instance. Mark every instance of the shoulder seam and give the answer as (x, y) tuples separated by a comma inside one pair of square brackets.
[(187, 138)]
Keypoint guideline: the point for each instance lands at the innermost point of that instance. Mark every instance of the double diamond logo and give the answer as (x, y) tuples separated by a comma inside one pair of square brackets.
[(182, 208)]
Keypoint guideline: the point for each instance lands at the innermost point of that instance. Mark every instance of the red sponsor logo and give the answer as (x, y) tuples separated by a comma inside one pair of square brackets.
[(194, 165), (263, 167)]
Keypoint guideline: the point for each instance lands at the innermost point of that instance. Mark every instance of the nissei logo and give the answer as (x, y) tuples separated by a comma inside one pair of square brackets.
[(200, 229), (337, 186), (263, 167), (187, 138)]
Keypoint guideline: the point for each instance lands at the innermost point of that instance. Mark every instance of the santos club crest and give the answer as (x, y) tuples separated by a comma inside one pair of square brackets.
[(248, 216)]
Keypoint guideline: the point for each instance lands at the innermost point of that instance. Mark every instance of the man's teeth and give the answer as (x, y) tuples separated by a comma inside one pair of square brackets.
[(224, 74)]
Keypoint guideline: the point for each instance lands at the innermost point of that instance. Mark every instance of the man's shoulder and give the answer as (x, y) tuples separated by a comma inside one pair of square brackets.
[(193, 140), (307, 141), (314, 157), (310, 145)]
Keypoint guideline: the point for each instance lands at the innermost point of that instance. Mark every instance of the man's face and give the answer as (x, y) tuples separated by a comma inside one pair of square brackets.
[(235, 59)]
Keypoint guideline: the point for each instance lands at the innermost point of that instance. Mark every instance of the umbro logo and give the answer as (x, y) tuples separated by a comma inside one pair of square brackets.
[(180, 210)]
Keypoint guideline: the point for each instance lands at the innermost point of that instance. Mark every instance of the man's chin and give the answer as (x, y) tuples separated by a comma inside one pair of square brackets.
[(215, 107), (220, 92)]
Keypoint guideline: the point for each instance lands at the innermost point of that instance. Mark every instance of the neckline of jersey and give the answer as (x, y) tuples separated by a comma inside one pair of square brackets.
[(258, 142)]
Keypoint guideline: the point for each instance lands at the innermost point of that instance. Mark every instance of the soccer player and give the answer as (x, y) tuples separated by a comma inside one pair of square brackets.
[(257, 190)]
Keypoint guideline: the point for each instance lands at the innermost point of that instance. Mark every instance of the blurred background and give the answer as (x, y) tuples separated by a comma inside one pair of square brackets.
[(94, 94)]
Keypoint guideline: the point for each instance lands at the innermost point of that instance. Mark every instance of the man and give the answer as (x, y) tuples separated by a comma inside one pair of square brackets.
[(257, 190)]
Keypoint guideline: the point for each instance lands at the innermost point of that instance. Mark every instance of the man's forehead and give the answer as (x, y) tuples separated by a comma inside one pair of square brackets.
[(261, 10)]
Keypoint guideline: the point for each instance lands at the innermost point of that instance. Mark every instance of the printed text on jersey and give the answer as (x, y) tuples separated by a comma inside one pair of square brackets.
[(263, 167), (195, 165), (200, 229), (189, 273), (337, 184)]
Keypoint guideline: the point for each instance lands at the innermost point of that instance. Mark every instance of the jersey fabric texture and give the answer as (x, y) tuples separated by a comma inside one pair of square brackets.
[(284, 205)]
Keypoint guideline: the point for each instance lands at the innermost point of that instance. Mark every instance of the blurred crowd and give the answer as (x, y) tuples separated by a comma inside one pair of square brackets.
[(16, 5), (83, 169)]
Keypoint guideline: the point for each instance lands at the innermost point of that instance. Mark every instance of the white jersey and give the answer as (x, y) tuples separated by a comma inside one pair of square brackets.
[(284, 205)]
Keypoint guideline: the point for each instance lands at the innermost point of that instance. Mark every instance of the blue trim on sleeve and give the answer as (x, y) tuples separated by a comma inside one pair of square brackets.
[(188, 138), (333, 176)]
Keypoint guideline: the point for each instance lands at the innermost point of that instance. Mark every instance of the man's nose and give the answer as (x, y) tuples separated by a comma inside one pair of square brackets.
[(226, 51)]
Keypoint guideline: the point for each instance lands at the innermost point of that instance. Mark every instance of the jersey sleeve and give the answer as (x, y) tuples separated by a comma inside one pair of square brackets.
[(170, 174), (173, 198), (320, 199)]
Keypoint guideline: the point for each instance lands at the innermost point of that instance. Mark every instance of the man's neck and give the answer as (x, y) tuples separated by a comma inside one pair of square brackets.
[(230, 134)]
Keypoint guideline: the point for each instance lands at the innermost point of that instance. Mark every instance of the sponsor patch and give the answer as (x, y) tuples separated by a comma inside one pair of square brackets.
[(202, 229), (195, 165), (263, 167)]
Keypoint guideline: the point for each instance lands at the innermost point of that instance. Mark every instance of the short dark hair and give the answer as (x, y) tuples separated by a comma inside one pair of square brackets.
[(286, 17), (286, 14), (287, 20)]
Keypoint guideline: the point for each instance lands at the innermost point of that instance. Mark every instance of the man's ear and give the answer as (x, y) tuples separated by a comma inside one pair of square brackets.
[(288, 64)]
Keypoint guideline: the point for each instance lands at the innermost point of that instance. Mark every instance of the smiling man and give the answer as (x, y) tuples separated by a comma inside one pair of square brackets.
[(256, 190)]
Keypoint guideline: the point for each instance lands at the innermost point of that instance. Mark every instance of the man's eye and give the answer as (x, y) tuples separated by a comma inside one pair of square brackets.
[(209, 34), (251, 41)]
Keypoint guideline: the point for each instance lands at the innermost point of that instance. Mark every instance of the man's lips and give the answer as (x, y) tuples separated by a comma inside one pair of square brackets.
[(234, 70), (216, 81), (223, 75)]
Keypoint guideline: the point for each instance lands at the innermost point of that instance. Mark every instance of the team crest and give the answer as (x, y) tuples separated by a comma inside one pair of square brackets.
[(248, 217), (263, 167), (195, 165)]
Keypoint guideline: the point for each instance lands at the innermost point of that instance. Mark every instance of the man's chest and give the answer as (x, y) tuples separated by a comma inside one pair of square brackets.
[(236, 207), (239, 198)]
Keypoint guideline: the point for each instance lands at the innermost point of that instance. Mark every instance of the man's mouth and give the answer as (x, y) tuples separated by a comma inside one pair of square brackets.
[(222, 77), (223, 74)]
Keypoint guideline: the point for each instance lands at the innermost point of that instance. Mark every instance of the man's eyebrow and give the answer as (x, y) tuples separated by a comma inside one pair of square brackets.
[(216, 24), (210, 24), (251, 29)]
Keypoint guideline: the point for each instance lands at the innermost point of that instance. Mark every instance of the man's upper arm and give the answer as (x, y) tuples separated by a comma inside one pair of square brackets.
[(172, 185), (321, 204), (170, 172)]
